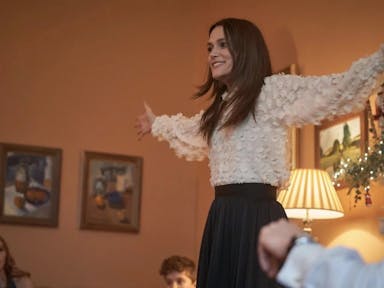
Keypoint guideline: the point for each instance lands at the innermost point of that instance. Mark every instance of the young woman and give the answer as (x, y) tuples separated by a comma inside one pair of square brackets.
[(10, 275), (244, 134)]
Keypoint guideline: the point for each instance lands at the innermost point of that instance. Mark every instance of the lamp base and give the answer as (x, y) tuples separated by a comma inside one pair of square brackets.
[(307, 226), (307, 230)]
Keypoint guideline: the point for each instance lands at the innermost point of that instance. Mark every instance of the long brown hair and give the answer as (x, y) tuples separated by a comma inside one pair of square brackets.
[(10, 269), (251, 64)]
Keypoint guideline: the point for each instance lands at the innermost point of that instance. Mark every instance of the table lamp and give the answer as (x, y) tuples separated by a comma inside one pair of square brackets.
[(310, 195)]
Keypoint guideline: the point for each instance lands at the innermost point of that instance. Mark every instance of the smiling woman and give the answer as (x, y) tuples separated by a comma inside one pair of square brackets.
[(219, 56), (244, 133), (10, 275)]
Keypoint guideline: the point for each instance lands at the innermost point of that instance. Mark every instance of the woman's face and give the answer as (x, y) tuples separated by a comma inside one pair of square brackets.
[(2, 255), (219, 57)]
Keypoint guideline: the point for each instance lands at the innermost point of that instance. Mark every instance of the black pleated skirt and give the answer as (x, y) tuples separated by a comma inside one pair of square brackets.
[(228, 253)]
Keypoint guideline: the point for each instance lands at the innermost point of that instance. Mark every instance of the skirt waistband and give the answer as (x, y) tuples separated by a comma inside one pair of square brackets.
[(254, 191)]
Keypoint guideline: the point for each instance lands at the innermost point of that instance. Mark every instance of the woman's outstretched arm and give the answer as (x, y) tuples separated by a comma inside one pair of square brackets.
[(299, 100), (182, 133)]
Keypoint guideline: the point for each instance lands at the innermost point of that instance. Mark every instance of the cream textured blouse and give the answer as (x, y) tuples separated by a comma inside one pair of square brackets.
[(257, 151)]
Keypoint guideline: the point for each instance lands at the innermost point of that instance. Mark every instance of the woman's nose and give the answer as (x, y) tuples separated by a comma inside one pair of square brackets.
[(213, 52)]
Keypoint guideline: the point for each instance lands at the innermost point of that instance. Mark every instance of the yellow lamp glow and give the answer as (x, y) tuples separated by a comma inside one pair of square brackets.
[(310, 195)]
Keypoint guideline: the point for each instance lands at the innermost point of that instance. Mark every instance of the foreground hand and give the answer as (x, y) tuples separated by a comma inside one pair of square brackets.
[(274, 241), (144, 122)]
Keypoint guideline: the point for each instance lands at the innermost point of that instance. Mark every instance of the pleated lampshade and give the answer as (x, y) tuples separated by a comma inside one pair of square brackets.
[(311, 195)]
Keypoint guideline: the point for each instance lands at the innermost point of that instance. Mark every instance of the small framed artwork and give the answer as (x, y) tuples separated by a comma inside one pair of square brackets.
[(339, 140), (111, 192), (29, 184), (293, 132)]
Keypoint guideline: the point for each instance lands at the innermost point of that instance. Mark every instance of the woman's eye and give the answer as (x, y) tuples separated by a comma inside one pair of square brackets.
[(209, 49), (223, 44)]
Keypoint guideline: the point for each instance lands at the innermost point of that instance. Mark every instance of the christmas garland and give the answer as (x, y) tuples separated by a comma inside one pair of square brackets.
[(357, 174)]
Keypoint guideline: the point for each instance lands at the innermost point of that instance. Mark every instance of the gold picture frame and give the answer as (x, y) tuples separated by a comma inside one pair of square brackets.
[(29, 184), (339, 139), (111, 192), (294, 132)]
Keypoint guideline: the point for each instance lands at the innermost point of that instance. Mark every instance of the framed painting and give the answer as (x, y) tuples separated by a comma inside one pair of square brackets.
[(293, 132), (111, 192), (29, 184), (339, 140)]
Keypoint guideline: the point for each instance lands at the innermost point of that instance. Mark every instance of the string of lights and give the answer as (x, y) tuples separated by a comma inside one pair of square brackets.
[(357, 174)]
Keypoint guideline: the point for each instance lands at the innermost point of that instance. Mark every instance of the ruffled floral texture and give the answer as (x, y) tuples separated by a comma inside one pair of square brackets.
[(257, 151)]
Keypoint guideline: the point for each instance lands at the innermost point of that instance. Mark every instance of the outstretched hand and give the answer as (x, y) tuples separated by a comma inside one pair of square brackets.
[(273, 244), (144, 122)]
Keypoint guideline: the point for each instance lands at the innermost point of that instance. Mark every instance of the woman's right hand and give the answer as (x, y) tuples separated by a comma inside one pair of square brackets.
[(144, 122)]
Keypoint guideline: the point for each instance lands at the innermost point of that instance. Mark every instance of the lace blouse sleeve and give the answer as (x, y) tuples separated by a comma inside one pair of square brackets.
[(297, 100), (183, 135)]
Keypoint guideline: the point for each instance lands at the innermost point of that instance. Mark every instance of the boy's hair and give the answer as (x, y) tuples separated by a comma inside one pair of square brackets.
[(178, 264)]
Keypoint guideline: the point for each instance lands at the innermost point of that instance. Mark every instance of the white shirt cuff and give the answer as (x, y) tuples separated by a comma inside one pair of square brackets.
[(297, 264)]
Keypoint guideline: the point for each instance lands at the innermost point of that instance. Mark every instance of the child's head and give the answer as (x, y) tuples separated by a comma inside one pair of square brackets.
[(178, 272)]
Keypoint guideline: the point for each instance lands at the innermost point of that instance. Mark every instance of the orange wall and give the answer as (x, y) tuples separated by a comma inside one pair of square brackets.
[(74, 75)]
